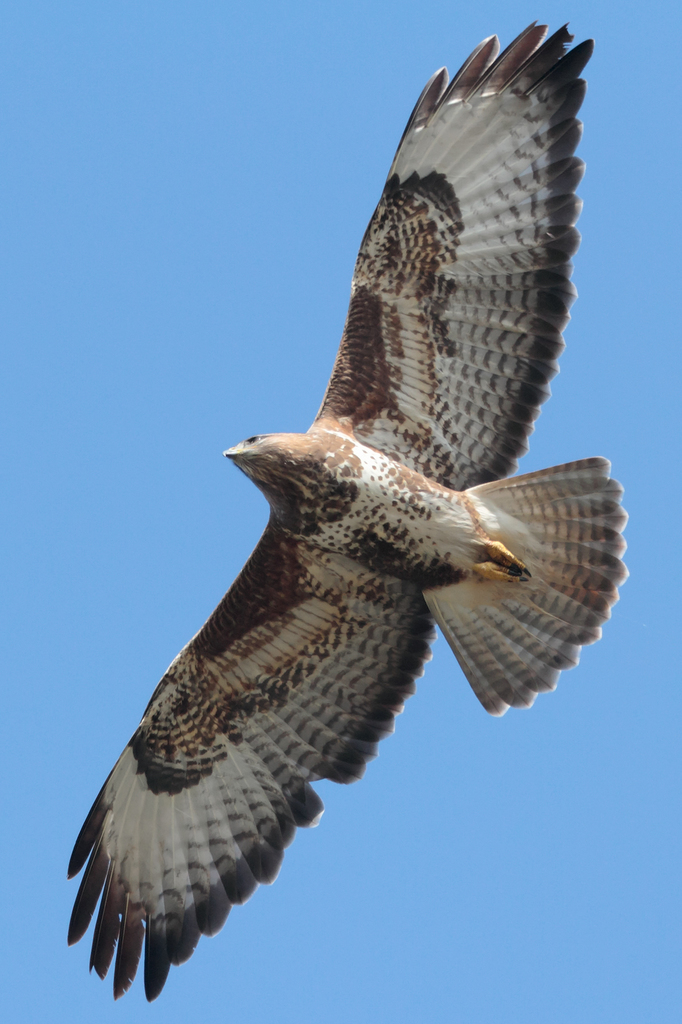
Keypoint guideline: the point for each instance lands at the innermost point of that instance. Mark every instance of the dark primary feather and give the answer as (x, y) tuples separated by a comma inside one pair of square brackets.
[(428, 101), (472, 71), (511, 61), (130, 941), (467, 259)]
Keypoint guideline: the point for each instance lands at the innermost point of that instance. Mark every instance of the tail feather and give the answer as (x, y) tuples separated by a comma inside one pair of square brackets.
[(514, 639)]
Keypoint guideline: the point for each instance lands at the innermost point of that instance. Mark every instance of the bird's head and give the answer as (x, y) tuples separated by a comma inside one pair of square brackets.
[(258, 456), (277, 464), (240, 453)]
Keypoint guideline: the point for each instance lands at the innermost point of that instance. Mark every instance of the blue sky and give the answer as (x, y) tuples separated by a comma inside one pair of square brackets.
[(184, 188)]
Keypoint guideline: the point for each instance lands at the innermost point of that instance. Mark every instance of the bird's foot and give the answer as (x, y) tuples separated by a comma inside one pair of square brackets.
[(501, 564)]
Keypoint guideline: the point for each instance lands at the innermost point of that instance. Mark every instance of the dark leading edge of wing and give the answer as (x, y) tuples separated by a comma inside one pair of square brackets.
[(462, 285)]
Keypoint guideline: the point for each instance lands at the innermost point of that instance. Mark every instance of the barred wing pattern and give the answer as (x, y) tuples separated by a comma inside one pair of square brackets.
[(296, 676), (462, 285)]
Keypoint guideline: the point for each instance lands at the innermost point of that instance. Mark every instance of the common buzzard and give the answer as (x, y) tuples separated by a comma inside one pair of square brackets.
[(391, 512)]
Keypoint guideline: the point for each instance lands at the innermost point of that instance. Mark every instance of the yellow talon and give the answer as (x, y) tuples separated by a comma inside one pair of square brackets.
[(501, 564)]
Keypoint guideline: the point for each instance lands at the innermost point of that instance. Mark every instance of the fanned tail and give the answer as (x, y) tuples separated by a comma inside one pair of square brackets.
[(514, 639)]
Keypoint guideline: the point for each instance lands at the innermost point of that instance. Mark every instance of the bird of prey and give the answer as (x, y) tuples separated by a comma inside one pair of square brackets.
[(393, 512)]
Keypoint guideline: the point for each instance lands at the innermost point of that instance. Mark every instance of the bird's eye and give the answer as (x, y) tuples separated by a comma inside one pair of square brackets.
[(252, 440)]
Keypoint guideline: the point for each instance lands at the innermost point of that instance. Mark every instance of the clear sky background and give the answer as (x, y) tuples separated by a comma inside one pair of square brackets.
[(184, 188)]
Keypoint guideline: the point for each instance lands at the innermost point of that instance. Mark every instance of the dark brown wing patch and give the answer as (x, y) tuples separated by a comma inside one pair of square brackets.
[(251, 601), (360, 382), (411, 236)]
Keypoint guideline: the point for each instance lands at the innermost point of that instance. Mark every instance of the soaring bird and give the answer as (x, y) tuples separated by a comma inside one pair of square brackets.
[(395, 511)]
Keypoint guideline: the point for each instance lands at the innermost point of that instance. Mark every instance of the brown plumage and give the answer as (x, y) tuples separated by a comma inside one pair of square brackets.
[(388, 514)]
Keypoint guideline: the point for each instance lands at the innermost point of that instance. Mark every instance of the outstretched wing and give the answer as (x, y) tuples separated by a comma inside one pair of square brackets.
[(461, 288), (298, 673)]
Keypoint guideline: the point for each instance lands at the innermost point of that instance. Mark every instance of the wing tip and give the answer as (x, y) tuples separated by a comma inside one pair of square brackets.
[(529, 58)]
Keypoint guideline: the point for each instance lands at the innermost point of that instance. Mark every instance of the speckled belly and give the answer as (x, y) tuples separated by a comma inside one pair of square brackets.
[(402, 524)]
